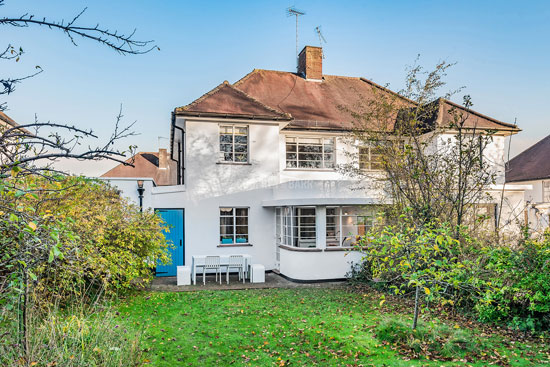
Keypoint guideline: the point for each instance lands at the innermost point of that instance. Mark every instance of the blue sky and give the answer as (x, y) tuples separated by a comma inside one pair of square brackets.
[(501, 48)]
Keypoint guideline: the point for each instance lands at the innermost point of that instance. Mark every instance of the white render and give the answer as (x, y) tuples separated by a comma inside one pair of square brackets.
[(263, 184)]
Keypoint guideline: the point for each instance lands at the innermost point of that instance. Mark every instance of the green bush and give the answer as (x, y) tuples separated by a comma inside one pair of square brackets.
[(520, 291)]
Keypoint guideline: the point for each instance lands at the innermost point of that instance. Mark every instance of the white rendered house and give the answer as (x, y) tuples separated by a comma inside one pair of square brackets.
[(257, 172), (532, 168)]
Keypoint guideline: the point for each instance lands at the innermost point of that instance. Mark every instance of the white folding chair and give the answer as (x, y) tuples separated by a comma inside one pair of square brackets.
[(211, 262), (236, 262)]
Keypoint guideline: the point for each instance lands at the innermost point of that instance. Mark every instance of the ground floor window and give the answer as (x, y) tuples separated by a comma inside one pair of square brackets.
[(296, 226), (233, 226), (346, 223)]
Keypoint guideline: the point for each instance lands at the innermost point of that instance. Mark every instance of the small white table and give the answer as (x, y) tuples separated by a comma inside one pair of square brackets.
[(198, 261)]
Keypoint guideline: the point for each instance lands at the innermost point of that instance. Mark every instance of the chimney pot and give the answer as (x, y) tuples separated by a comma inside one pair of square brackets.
[(310, 63)]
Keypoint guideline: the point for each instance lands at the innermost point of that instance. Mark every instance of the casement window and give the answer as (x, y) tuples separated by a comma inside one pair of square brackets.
[(310, 152), (234, 143), (233, 226), (546, 191), (370, 157), (346, 223), (369, 160), (297, 226)]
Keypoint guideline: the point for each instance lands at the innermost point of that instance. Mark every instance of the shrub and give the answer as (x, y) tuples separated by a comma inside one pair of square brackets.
[(520, 292), (438, 339)]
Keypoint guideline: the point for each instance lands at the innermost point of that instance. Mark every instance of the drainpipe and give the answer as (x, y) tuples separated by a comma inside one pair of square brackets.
[(140, 191)]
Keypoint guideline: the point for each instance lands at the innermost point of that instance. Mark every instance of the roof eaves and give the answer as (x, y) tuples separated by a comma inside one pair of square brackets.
[(231, 115)]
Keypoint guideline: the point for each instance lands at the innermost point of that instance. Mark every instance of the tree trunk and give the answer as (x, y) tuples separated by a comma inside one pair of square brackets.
[(416, 307)]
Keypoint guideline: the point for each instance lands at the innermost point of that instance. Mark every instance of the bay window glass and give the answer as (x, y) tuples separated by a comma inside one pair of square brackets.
[(345, 224)]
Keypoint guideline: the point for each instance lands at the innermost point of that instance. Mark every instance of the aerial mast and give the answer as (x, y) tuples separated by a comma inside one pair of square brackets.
[(292, 11), (321, 39)]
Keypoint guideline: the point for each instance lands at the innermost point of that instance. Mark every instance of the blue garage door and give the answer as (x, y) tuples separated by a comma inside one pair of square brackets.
[(174, 218)]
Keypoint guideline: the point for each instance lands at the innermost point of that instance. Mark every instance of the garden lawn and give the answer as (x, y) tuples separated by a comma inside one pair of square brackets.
[(278, 327)]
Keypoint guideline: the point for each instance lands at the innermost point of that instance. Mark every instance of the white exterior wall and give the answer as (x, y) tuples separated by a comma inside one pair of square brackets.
[(261, 185), (537, 210), (317, 265)]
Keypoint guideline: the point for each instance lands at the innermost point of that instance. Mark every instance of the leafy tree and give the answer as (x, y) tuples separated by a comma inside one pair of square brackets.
[(426, 259), (31, 240), (437, 169)]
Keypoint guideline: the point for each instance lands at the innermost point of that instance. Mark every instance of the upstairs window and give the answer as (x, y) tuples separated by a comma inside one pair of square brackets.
[(310, 153), (234, 143), (370, 157), (369, 160), (546, 191)]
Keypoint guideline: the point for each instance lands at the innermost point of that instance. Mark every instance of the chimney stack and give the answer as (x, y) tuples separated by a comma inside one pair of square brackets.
[(163, 159), (310, 63)]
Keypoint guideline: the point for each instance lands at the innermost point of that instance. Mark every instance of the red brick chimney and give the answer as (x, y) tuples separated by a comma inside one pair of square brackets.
[(310, 63), (163, 159)]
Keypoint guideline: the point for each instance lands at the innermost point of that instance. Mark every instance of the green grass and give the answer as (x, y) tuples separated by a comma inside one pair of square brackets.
[(278, 327)]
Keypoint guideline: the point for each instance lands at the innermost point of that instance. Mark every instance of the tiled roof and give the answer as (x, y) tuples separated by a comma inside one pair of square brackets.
[(531, 164), (331, 104), (145, 164)]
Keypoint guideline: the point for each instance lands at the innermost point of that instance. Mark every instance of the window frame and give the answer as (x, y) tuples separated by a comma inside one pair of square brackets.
[(545, 191), (338, 225), (234, 217), (221, 154), (322, 153), (369, 162)]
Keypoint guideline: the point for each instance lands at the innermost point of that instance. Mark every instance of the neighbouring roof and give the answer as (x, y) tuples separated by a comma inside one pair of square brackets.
[(531, 164), (146, 164), (8, 120), (329, 104)]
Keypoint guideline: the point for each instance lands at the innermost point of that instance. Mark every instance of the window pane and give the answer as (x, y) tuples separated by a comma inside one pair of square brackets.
[(242, 212), (228, 139), (241, 221), (241, 131), (226, 211), (226, 221), (310, 148), (290, 147), (241, 229), (240, 148), (228, 157), (228, 148), (291, 164), (241, 139), (310, 164), (226, 129)]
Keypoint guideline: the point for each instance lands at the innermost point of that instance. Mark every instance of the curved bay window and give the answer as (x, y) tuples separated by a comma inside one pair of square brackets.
[(345, 224), (296, 226)]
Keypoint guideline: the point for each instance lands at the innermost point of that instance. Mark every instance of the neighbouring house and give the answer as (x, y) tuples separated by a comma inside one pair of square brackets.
[(532, 167), (257, 171), (143, 171)]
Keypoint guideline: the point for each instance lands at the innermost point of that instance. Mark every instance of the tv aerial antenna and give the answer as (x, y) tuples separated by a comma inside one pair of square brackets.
[(321, 38), (293, 12)]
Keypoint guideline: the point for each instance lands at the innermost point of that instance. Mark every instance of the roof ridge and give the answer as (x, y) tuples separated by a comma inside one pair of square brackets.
[(376, 85), (506, 124), (229, 85), (540, 142), (204, 96)]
